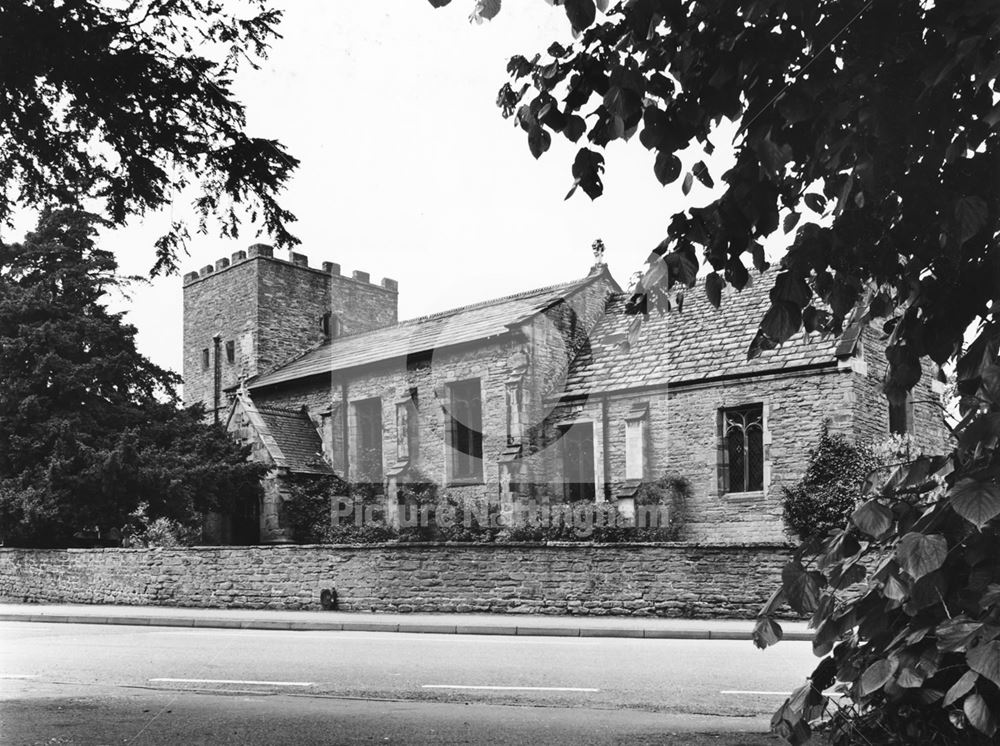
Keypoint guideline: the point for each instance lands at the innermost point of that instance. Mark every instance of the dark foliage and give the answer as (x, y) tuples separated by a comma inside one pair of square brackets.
[(90, 429), (132, 103), (310, 499), (881, 117), (828, 493)]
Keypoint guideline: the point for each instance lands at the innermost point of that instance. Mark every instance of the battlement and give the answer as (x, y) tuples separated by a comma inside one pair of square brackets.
[(251, 311), (295, 259)]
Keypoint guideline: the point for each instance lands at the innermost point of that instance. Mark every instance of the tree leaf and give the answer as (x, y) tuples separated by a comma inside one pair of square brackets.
[(766, 632), (979, 715), (801, 587), (781, 321), (581, 13), (587, 169), (791, 288), (700, 171), (873, 518), (790, 221), (485, 10), (977, 502), (539, 140), (713, 288), (686, 184), (667, 167), (920, 554), (574, 128), (876, 675), (984, 659), (956, 634), (960, 688), (815, 202), (971, 214)]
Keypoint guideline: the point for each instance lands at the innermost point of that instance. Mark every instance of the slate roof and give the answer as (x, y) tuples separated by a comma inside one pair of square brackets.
[(476, 322), (699, 342), (294, 443)]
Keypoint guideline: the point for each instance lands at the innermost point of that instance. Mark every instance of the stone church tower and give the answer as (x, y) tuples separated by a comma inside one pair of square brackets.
[(248, 314)]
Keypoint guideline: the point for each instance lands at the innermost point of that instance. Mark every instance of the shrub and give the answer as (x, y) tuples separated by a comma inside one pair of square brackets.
[(308, 504), (829, 490), (141, 531)]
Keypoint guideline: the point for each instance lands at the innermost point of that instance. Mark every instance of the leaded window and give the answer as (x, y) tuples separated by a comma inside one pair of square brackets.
[(743, 438)]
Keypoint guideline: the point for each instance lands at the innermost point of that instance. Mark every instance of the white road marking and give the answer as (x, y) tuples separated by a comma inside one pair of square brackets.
[(234, 681), (18, 676), (513, 688)]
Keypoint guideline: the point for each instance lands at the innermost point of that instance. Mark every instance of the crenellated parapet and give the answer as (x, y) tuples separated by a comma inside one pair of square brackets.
[(265, 251)]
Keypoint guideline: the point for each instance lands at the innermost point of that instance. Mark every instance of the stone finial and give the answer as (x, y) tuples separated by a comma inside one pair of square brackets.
[(260, 249), (598, 249), (221, 264), (206, 270), (190, 277), (361, 276), (238, 256), (331, 268), (390, 284), (300, 260)]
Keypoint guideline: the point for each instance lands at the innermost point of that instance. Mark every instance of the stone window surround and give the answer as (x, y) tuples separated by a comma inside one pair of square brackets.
[(753, 495), (407, 429), (636, 429)]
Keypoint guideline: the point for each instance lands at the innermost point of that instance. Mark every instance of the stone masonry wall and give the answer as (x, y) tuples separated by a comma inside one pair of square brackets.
[(670, 580)]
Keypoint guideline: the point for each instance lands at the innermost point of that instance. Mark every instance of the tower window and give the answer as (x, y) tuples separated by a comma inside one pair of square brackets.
[(901, 416), (205, 360), (231, 351), (743, 449)]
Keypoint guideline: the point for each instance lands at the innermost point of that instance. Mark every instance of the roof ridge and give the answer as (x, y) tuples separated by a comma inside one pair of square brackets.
[(450, 312), (483, 303)]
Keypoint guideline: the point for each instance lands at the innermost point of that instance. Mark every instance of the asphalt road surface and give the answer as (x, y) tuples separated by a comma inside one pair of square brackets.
[(94, 684)]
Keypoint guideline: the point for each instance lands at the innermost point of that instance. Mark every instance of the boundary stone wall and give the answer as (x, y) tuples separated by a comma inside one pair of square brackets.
[(668, 579)]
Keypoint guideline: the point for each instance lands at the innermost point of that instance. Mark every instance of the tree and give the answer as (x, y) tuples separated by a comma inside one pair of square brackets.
[(878, 115), (90, 429), (130, 103), (877, 121)]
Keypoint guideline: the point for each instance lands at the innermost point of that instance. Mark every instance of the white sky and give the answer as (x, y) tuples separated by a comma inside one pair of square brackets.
[(409, 171)]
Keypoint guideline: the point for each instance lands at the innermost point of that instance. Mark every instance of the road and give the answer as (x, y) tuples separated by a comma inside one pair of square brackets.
[(81, 684)]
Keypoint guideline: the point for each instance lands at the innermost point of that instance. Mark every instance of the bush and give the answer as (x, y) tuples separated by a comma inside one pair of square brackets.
[(308, 504), (158, 532), (828, 493)]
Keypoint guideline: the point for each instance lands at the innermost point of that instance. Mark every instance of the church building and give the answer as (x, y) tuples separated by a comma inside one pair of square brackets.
[(553, 394)]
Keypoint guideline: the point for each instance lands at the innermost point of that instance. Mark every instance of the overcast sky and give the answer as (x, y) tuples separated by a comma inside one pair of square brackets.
[(409, 171)]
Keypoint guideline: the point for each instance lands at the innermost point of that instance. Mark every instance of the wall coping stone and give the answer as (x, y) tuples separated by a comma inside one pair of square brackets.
[(699, 545)]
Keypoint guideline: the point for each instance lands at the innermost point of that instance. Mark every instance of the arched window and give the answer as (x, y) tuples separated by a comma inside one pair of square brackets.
[(743, 436)]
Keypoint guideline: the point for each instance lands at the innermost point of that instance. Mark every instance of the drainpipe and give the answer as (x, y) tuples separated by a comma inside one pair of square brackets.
[(605, 435), (217, 379)]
